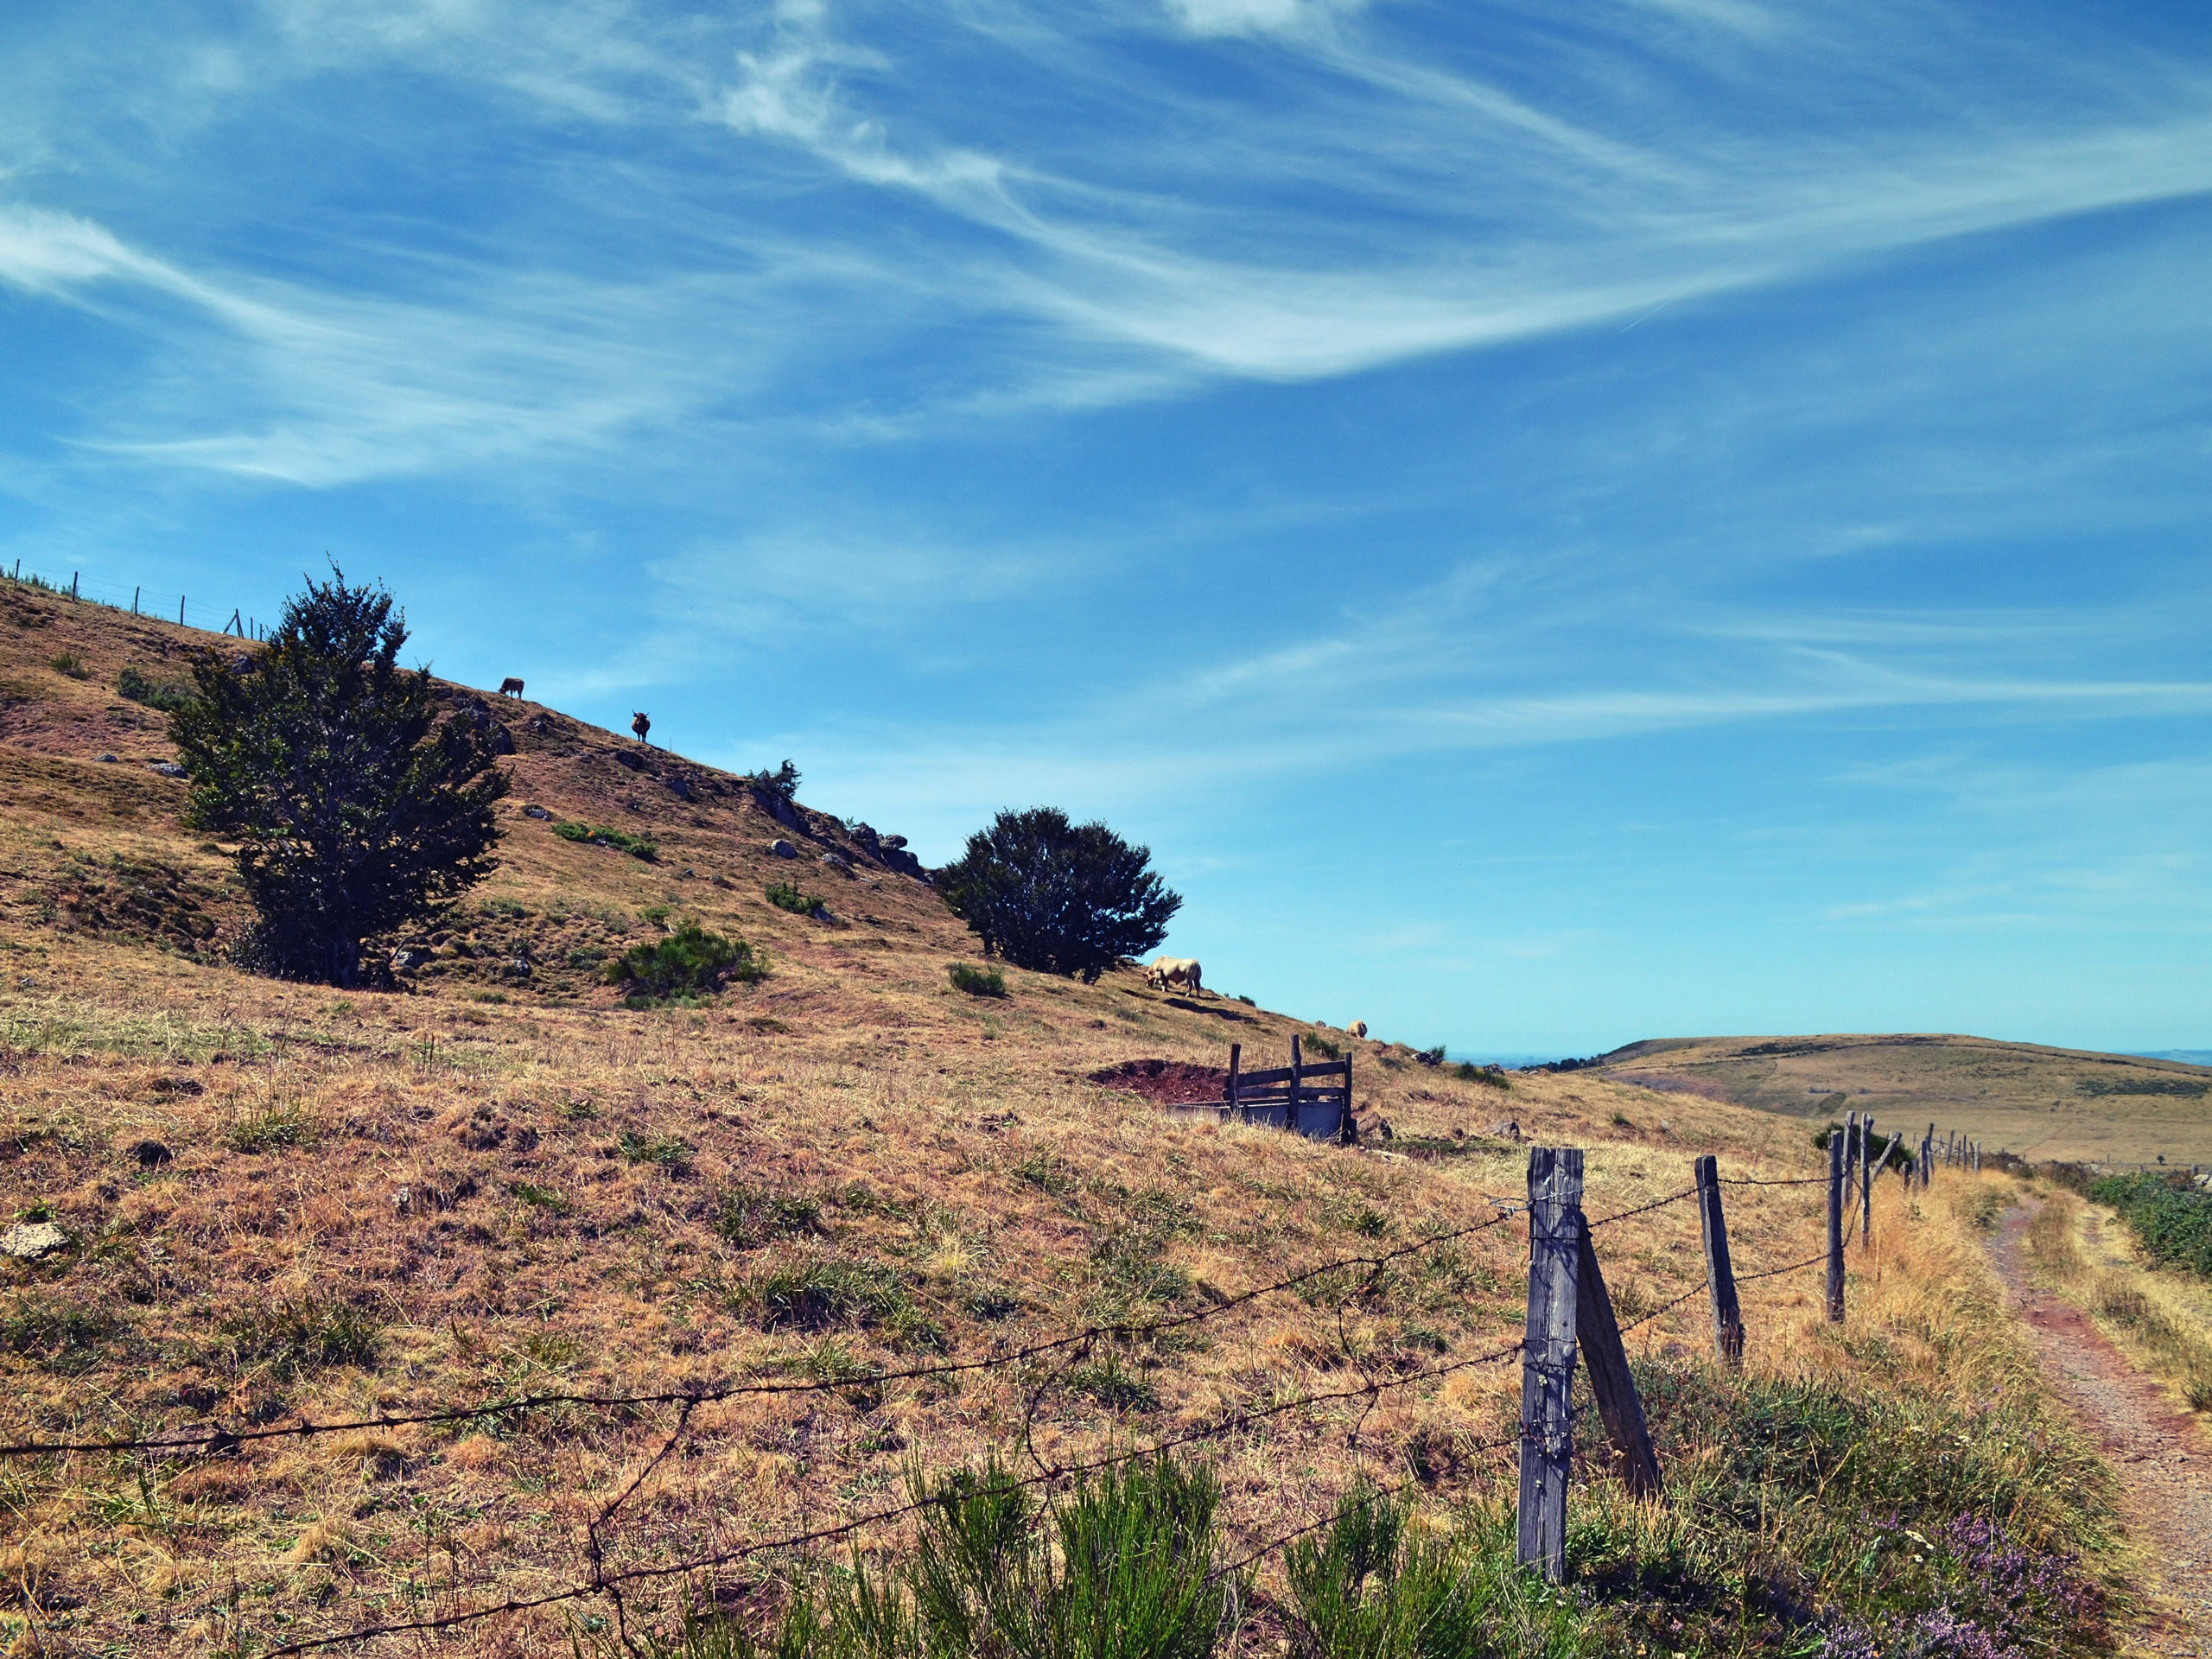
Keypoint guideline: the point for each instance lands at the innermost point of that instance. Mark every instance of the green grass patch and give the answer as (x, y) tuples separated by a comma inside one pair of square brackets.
[(827, 1293), (278, 1123), (600, 834), (667, 1151), (301, 1334), (751, 1217)]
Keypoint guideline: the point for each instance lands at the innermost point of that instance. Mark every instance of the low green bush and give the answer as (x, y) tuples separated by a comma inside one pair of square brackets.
[(976, 981), (278, 1123), (688, 962), (784, 896), (70, 665), (167, 696), (1317, 1044), (1491, 1077), (2168, 1214), (600, 834), (1120, 1568)]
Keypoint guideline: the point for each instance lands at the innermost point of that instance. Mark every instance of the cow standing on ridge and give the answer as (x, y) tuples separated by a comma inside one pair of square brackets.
[(641, 723), (1166, 971)]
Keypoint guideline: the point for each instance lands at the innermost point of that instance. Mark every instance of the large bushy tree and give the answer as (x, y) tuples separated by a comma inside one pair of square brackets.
[(1057, 897), (356, 809)]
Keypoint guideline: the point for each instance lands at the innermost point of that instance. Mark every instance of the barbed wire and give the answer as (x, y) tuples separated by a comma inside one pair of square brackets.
[(1641, 1209), (225, 1440), (611, 1584), (1758, 1180), (1666, 1307), (1769, 1273)]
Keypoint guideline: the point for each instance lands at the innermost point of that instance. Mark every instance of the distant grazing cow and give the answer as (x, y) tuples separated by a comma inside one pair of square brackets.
[(511, 687), (641, 723), (1358, 1028), (1175, 970)]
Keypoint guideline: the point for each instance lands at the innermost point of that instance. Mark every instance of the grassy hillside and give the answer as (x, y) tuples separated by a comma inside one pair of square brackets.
[(2041, 1103), (282, 1202)]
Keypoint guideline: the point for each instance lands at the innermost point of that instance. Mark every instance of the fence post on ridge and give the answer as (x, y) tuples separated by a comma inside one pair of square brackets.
[(1865, 1179), (1547, 1356), (1612, 1383), (1720, 1273), (1235, 1052), (1836, 1229)]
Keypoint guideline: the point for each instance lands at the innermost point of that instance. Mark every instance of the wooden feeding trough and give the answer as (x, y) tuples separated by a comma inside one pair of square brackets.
[(1313, 1097)]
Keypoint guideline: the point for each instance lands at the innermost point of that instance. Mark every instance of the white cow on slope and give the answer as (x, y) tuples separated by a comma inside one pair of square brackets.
[(1168, 971)]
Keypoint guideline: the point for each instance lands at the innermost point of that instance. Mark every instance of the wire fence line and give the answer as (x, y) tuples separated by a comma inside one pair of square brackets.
[(1070, 1347), (139, 600)]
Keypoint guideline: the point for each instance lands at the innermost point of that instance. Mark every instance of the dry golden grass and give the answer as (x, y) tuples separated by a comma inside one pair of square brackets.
[(2160, 1318), (284, 1200), (2041, 1103)]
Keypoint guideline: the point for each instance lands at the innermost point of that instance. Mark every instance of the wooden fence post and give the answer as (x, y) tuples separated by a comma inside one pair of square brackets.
[(1865, 1179), (1235, 1050), (1297, 1077), (1547, 1356), (1928, 1156), (1850, 1155), (1720, 1274), (180, 610), (1836, 1229), (1347, 1126), (1612, 1383)]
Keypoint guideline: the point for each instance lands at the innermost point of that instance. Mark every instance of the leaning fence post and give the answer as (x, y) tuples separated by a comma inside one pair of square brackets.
[(1720, 1273), (1612, 1383), (1235, 1050), (1835, 1228), (1865, 1179), (1547, 1356)]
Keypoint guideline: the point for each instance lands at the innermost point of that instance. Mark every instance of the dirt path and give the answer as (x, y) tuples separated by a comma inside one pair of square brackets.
[(2162, 1456)]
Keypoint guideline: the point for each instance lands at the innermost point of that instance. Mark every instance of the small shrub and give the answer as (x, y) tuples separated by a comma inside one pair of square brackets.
[(1317, 1044), (279, 1123), (857, 1379), (600, 834), (751, 1217), (1429, 1055), (300, 1334), (784, 896), (1246, 1001), (976, 981), (688, 961), (69, 665), (1491, 1077), (165, 696)]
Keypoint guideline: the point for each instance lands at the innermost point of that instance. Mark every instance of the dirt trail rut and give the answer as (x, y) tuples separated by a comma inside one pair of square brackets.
[(2163, 1460)]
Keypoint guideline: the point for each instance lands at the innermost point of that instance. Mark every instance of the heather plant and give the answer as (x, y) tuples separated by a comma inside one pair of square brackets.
[(2171, 1218)]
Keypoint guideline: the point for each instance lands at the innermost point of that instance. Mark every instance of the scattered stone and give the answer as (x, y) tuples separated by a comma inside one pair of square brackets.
[(108, 759), (533, 811), (150, 1154), (30, 1240), (626, 758), (838, 862), (401, 1198), (407, 957), (170, 769), (680, 786), (783, 848)]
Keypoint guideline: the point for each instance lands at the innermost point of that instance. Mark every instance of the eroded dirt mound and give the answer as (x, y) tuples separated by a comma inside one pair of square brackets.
[(1170, 1082)]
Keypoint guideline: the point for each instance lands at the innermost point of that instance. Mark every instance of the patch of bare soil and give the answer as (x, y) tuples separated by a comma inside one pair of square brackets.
[(2163, 1461), (1172, 1083)]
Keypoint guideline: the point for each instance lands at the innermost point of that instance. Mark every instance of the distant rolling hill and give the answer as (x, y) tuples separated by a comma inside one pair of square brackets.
[(2041, 1103)]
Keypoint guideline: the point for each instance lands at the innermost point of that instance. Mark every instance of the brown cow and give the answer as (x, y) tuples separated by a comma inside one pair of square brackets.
[(511, 687), (641, 723)]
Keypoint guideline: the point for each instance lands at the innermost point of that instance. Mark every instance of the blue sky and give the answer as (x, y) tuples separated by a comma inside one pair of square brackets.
[(1557, 524)]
